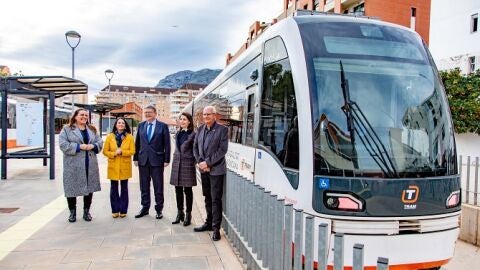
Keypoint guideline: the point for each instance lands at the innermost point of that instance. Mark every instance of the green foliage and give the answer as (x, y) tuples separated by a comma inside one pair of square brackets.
[(463, 92)]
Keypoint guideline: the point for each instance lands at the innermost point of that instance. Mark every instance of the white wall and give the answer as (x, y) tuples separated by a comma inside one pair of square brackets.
[(451, 41), (468, 144)]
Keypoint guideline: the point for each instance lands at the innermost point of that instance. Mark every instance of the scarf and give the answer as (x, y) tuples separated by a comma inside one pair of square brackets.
[(119, 137)]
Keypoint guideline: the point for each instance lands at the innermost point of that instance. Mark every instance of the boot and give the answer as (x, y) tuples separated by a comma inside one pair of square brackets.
[(180, 217), (73, 215), (86, 214), (188, 219)]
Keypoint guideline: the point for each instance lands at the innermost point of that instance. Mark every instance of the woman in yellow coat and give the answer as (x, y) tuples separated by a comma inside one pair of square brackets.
[(119, 147)]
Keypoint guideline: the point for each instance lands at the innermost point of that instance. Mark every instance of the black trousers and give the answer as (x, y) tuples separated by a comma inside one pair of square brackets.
[(212, 187), (87, 202), (119, 202), (188, 195), (155, 174)]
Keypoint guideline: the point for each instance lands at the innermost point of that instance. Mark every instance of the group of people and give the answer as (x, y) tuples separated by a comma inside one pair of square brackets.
[(205, 149)]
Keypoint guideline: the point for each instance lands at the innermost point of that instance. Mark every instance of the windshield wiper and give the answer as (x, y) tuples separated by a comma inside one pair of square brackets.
[(358, 122)]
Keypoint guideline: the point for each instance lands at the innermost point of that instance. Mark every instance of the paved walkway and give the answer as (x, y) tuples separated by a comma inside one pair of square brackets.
[(38, 236)]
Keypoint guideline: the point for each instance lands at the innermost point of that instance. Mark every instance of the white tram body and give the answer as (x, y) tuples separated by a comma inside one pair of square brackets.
[(374, 155)]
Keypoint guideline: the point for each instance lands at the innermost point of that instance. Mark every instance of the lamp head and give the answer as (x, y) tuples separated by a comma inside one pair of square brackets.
[(109, 74), (73, 38)]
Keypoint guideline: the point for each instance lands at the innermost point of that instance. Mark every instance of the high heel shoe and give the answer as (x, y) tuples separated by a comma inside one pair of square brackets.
[(180, 217), (188, 219)]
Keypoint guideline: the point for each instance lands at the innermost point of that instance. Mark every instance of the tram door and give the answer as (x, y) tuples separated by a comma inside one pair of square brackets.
[(249, 126)]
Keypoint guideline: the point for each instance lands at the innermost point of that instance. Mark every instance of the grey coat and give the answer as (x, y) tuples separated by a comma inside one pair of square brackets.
[(215, 148), (183, 165), (75, 181)]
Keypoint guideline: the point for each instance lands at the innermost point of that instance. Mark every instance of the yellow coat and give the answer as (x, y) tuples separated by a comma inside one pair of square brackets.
[(119, 167)]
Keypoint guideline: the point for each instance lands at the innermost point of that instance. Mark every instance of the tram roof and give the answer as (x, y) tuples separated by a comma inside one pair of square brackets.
[(59, 85)]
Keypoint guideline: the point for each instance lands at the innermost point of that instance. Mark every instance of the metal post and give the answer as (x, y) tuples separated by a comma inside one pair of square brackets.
[(309, 235), (358, 257), (461, 175), (468, 180), (297, 260), (382, 263), (45, 119), (475, 191), (264, 235), (338, 252), (52, 135), (271, 230), (73, 77), (278, 257), (4, 131), (288, 252), (322, 246), (255, 217)]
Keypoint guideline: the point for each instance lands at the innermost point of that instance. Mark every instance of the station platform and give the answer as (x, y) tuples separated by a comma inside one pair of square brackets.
[(35, 232)]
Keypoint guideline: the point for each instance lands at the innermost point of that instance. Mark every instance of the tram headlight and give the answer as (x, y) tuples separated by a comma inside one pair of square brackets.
[(343, 202), (453, 199)]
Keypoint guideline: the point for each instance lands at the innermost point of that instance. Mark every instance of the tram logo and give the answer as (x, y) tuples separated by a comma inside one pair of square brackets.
[(410, 195)]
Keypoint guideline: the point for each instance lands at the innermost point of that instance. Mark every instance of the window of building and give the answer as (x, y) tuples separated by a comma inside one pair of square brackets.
[(471, 62), (413, 18), (278, 112), (359, 10), (474, 23), (316, 3)]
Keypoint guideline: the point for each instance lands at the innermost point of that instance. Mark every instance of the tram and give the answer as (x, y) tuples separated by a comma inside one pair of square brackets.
[(347, 119)]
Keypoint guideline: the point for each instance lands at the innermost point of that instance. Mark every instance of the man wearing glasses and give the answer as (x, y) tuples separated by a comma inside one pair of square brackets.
[(152, 154), (209, 149)]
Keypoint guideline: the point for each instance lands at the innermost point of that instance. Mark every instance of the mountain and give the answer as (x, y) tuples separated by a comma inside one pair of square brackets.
[(176, 80)]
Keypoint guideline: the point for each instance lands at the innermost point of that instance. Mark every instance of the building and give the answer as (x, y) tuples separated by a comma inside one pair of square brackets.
[(181, 97), (130, 110), (414, 14), (143, 96), (454, 35)]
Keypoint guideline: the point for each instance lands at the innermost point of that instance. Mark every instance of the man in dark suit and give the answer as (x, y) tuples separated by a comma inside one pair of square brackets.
[(209, 149), (152, 154)]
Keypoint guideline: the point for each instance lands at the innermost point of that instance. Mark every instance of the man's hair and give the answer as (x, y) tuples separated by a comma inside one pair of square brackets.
[(151, 107), (214, 110)]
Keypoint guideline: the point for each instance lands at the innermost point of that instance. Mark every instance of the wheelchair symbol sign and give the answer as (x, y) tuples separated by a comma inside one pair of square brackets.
[(324, 183)]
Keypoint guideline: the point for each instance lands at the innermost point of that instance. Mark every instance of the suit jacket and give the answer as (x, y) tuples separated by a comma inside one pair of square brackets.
[(183, 165), (157, 151), (215, 148)]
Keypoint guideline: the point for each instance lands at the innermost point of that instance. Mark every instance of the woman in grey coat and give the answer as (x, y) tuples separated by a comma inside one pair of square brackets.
[(80, 145), (183, 175)]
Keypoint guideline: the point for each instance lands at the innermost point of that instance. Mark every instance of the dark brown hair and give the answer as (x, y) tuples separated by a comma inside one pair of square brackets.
[(72, 123), (190, 119), (127, 126)]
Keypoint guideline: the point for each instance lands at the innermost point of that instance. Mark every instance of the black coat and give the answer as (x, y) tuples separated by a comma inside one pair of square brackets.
[(183, 164)]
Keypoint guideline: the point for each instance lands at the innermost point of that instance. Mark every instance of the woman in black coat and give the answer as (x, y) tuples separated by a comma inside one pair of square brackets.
[(183, 175)]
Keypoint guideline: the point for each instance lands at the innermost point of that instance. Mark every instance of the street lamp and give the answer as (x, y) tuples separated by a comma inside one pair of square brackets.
[(73, 39), (109, 75)]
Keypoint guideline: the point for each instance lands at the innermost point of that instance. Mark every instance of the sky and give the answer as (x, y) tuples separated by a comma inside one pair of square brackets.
[(141, 41)]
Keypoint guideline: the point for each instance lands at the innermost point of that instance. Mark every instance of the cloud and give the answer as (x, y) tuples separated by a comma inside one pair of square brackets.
[(142, 41)]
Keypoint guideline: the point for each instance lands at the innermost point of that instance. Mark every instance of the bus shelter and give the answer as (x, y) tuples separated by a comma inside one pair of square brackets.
[(35, 118)]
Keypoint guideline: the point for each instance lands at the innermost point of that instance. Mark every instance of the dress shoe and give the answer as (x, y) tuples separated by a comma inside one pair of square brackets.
[(216, 234), (115, 215), (159, 215), (188, 219), (203, 228), (180, 217), (86, 214), (73, 215), (142, 213)]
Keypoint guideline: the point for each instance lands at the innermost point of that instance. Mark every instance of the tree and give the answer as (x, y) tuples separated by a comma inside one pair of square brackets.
[(463, 92)]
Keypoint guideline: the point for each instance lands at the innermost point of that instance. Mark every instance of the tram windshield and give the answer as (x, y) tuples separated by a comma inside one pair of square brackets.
[(379, 109)]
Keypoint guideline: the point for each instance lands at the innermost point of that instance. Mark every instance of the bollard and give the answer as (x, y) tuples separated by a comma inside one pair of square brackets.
[(357, 257), (278, 256), (382, 263), (309, 236), (287, 251), (322, 246), (297, 260), (338, 252)]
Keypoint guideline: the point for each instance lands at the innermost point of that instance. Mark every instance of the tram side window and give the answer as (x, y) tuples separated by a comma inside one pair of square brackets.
[(278, 112)]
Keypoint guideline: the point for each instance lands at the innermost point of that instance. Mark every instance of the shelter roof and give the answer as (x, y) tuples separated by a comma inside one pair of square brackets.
[(99, 107), (59, 85)]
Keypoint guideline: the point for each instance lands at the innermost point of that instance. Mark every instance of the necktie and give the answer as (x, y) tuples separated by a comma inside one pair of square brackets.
[(149, 131)]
